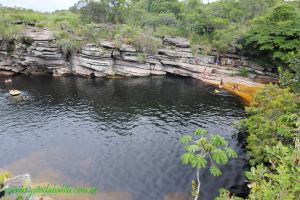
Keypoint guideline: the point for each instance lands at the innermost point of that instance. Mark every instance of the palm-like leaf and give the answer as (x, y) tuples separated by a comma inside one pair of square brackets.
[(218, 141), (215, 171), (192, 148), (185, 139), (230, 152), (220, 156), (202, 141), (187, 158), (201, 132), (199, 162)]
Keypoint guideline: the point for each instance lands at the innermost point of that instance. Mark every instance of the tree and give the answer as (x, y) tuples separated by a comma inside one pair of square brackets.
[(101, 11), (273, 117), (290, 77), (275, 35), (164, 6), (213, 149)]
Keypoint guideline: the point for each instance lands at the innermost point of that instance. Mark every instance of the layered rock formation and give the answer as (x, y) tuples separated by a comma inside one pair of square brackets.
[(39, 54), (36, 54)]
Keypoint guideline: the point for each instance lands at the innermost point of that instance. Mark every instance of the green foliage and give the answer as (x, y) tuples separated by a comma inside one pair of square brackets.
[(203, 149), (275, 35), (290, 77), (273, 117), (273, 126), (67, 44), (281, 179), (221, 24), (143, 41), (243, 72), (142, 57), (101, 11), (226, 195)]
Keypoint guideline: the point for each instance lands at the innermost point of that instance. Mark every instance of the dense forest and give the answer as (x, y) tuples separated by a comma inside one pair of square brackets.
[(265, 30)]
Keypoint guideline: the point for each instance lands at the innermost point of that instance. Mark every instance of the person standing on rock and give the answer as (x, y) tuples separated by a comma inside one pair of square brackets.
[(221, 85)]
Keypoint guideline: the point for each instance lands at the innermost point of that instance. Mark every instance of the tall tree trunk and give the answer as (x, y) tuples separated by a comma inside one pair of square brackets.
[(199, 184)]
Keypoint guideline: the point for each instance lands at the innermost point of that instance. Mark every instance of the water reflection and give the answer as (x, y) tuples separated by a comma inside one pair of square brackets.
[(119, 135)]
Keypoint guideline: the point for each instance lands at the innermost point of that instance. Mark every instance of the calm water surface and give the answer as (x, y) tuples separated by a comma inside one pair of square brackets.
[(118, 135)]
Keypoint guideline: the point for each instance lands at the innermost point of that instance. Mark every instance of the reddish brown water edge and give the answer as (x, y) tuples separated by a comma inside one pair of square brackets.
[(245, 91)]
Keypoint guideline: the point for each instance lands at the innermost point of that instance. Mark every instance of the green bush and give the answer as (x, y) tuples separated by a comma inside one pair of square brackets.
[(280, 180), (243, 72), (226, 195), (290, 75), (67, 44), (142, 40), (275, 35), (273, 117)]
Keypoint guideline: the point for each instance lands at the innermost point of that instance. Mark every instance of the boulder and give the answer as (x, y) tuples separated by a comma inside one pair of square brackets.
[(15, 183), (176, 41), (7, 73)]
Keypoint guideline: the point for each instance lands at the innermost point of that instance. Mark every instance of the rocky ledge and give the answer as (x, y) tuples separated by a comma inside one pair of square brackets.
[(41, 55)]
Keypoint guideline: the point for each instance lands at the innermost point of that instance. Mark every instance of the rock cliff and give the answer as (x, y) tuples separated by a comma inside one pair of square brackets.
[(38, 54)]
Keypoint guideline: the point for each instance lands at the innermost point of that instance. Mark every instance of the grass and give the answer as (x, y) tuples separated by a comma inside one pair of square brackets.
[(243, 72), (4, 176), (70, 32)]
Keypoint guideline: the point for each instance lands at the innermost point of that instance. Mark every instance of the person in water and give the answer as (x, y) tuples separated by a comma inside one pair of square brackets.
[(236, 87), (8, 81), (221, 85)]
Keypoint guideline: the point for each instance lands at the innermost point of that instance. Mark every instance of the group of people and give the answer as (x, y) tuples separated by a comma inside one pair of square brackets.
[(225, 61), (8, 81), (234, 88), (206, 73)]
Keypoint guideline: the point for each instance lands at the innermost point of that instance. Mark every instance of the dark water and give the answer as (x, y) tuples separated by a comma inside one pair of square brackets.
[(119, 135)]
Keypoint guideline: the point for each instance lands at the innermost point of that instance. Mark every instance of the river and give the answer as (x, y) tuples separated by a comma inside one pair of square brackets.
[(121, 136)]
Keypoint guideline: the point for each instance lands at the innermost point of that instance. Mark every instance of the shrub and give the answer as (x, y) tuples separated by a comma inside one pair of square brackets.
[(67, 44), (146, 43), (226, 195), (243, 72), (290, 77), (281, 179), (273, 118), (142, 40)]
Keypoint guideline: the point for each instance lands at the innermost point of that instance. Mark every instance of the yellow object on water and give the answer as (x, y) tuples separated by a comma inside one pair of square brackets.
[(217, 91), (14, 92)]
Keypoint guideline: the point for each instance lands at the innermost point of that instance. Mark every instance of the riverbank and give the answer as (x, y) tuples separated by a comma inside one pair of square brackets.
[(245, 91), (39, 54)]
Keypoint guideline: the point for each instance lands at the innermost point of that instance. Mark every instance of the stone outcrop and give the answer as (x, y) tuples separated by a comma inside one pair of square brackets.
[(39, 54), (12, 185), (14, 188)]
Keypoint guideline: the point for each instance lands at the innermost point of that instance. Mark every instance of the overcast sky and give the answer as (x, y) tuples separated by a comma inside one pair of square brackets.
[(40, 5), (43, 5)]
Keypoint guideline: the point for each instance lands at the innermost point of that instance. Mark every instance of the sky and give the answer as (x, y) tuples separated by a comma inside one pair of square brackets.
[(44, 5), (40, 5)]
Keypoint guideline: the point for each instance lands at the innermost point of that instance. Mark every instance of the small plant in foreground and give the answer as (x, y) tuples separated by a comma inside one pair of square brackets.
[(198, 152)]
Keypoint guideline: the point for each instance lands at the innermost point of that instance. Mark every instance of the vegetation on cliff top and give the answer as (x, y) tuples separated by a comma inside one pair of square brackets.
[(267, 30)]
